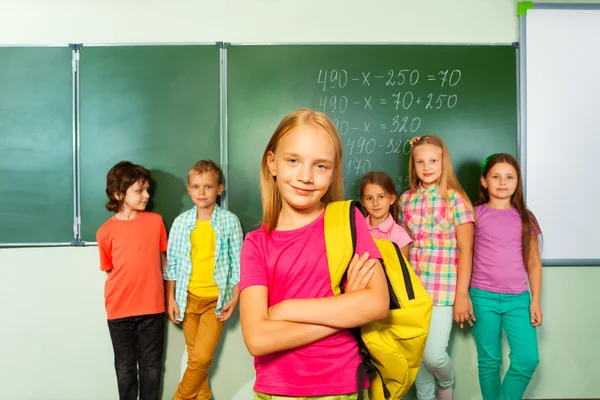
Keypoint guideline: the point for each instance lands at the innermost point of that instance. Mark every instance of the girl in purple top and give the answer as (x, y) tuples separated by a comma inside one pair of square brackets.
[(506, 258), (379, 197)]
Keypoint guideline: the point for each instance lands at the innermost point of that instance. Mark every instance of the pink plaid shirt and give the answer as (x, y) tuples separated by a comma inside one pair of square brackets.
[(426, 215)]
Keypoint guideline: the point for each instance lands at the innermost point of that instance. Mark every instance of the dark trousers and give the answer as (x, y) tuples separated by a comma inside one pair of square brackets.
[(138, 340)]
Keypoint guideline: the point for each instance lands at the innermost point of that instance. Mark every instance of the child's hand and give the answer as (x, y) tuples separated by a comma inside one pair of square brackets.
[(360, 272), (463, 310), (228, 309), (173, 310), (536, 314)]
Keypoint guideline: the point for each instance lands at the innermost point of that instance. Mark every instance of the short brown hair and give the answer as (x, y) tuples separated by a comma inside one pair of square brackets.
[(205, 166), (121, 177)]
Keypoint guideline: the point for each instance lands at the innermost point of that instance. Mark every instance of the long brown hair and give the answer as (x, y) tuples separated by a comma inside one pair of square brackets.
[(517, 200), (271, 198), (448, 178), (387, 184)]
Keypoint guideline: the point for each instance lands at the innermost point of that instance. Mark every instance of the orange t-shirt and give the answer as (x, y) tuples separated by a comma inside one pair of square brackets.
[(131, 250)]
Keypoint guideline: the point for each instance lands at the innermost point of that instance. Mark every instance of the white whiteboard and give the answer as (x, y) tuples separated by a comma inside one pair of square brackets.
[(561, 124)]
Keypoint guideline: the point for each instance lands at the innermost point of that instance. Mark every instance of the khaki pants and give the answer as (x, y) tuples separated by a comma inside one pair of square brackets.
[(261, 396), (202, 331)]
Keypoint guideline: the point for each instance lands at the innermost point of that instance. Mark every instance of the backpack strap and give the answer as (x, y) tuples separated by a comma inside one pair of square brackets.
[(410, 291), (340, 241)]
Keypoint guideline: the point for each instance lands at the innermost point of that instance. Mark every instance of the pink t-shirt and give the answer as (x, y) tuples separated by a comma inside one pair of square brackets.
[(293, 265), (497, 251), (389, 230)]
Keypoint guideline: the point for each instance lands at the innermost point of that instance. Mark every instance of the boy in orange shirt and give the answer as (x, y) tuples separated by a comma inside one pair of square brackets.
[(132, 246)]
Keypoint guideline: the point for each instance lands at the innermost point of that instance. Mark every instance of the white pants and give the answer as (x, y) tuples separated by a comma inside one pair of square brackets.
[(436, 368)]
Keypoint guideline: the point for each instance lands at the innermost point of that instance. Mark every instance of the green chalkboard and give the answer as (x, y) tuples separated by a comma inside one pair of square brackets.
[(379, 96), (157, 106), (36, 145)]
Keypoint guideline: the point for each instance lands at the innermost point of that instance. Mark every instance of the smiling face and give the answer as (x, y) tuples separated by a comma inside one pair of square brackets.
[(303, 166), (501, 181), (428, 164), (377, 202)]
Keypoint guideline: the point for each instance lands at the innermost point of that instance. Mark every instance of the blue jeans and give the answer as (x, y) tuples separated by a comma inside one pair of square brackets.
[(138, 340), (494, 312)]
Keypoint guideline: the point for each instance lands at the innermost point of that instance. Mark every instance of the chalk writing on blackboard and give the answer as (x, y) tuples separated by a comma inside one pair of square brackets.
[(378, 112)]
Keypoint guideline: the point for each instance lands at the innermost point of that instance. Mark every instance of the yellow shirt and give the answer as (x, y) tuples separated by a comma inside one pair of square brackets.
[(202, 281)]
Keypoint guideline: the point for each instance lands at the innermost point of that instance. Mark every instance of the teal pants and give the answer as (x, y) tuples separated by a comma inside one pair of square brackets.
[(494, 312)]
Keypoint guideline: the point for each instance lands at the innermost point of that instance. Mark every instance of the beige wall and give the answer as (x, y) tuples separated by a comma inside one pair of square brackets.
[(54, 344), (112, 21)]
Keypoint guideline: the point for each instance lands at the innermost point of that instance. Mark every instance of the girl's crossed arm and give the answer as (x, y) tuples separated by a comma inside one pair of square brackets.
[(263, 336), (366, 298), (359, 306)]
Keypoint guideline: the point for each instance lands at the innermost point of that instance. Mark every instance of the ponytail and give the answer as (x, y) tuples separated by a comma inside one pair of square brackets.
[(395, 209)]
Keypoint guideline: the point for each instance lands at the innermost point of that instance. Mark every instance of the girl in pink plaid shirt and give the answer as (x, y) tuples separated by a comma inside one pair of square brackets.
[(439, 216)]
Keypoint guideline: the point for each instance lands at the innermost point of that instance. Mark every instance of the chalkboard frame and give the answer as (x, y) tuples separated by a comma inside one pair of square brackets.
[(79, 241), (75, 124), (224, 133), (73, 149)]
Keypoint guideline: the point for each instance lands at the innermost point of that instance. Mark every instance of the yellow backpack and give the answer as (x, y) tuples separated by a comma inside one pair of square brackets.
[(392, 348)]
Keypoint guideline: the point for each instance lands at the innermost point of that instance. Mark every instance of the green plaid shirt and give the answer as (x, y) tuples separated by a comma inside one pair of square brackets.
[(228, 246)]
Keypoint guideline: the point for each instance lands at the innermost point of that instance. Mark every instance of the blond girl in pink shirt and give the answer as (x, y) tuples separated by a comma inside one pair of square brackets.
[(380, 200), (293, 325)]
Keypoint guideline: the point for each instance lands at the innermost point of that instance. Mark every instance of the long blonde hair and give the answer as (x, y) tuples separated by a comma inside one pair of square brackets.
[(448, 178), (271, 198)]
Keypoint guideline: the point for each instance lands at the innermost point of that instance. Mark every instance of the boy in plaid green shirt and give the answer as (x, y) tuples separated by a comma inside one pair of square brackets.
[(202, 274)]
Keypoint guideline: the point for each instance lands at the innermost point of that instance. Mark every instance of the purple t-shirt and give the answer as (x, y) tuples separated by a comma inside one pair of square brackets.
[(293, 265), (497, 251)]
